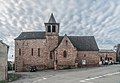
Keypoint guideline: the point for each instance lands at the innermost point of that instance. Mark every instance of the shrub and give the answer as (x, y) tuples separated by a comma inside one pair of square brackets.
[(2, 81), (13, 77)]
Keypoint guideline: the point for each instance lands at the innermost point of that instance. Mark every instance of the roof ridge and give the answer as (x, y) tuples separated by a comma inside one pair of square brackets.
[(32, 31), (80, 36)]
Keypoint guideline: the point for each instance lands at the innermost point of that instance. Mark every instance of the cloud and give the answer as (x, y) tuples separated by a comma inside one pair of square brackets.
[(99, 18)]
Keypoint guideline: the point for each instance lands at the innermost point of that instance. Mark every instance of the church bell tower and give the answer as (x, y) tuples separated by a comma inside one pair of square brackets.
[(52, 28), (52, 32)]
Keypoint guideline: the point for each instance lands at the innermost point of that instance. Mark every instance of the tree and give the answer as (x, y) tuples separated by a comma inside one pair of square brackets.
[(117, 48), (9, 66)]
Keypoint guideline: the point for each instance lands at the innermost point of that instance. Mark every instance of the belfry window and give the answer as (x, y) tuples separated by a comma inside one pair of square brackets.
[(64, 54), (53, 29), (49, 28)]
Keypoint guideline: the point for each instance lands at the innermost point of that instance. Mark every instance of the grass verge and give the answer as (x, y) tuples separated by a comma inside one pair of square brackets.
[(13, 77), (2, 81)]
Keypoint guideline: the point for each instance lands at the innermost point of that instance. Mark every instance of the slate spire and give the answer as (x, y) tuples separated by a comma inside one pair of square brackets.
[(52, 19)]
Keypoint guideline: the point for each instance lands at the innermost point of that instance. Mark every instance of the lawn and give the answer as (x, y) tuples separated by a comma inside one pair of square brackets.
[(11, 77)]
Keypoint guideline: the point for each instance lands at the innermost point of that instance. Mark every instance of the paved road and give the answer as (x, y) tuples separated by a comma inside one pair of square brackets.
[(106, 74)]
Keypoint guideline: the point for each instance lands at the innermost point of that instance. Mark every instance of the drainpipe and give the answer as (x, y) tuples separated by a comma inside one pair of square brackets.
[(55, 61)]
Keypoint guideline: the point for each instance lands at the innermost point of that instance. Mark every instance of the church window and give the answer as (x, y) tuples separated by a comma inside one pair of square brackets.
[(49, 28), (66, 42), (64, 54), (32, 51), (38, 51), (84, 55), (19, 51), (53, 29), (51, 55)]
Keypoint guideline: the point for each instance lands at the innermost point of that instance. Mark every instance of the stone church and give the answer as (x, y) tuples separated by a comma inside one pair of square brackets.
[(48, 50)]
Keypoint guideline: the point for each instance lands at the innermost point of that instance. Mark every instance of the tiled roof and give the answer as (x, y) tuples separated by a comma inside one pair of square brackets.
[(83, 43), (106, 50), (31, 35)]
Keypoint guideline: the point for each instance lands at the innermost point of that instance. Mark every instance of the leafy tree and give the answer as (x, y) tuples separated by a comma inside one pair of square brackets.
[(10, 66), (117, 48)]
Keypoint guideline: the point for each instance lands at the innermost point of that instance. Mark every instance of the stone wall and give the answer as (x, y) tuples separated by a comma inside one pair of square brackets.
[(71, 53), (26, 59), (109, 54), (3, 61), (51, 42), (87, 58)]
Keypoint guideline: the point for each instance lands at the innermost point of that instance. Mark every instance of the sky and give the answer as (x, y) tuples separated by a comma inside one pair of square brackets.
[(99, 18)]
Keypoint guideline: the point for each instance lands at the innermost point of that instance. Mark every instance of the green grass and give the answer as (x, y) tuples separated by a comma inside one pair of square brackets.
[(2, 81), (13, 77)]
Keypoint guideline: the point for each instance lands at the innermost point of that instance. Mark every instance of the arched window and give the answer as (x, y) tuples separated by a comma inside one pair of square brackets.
[(84, 55), (19, 51), (64, 54), (110, 58), (66, 42), (38, 51), (51, 55), (32, 51)]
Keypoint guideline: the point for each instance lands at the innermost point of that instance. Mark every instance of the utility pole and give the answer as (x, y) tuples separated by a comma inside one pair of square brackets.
[(13, 67), (55, 61)]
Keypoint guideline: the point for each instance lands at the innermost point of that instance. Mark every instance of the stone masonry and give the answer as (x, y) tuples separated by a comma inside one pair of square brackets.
[(3, 60)]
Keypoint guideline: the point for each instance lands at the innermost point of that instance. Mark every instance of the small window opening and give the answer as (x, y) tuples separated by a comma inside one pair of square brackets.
[(19, 51), (84, 55), (66, 41), (51, 55), (64, 54), (32, 51), (38, 51), (53, 29), (49, 28)]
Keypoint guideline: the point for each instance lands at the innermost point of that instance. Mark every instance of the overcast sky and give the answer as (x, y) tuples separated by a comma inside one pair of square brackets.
[(99, 18)]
